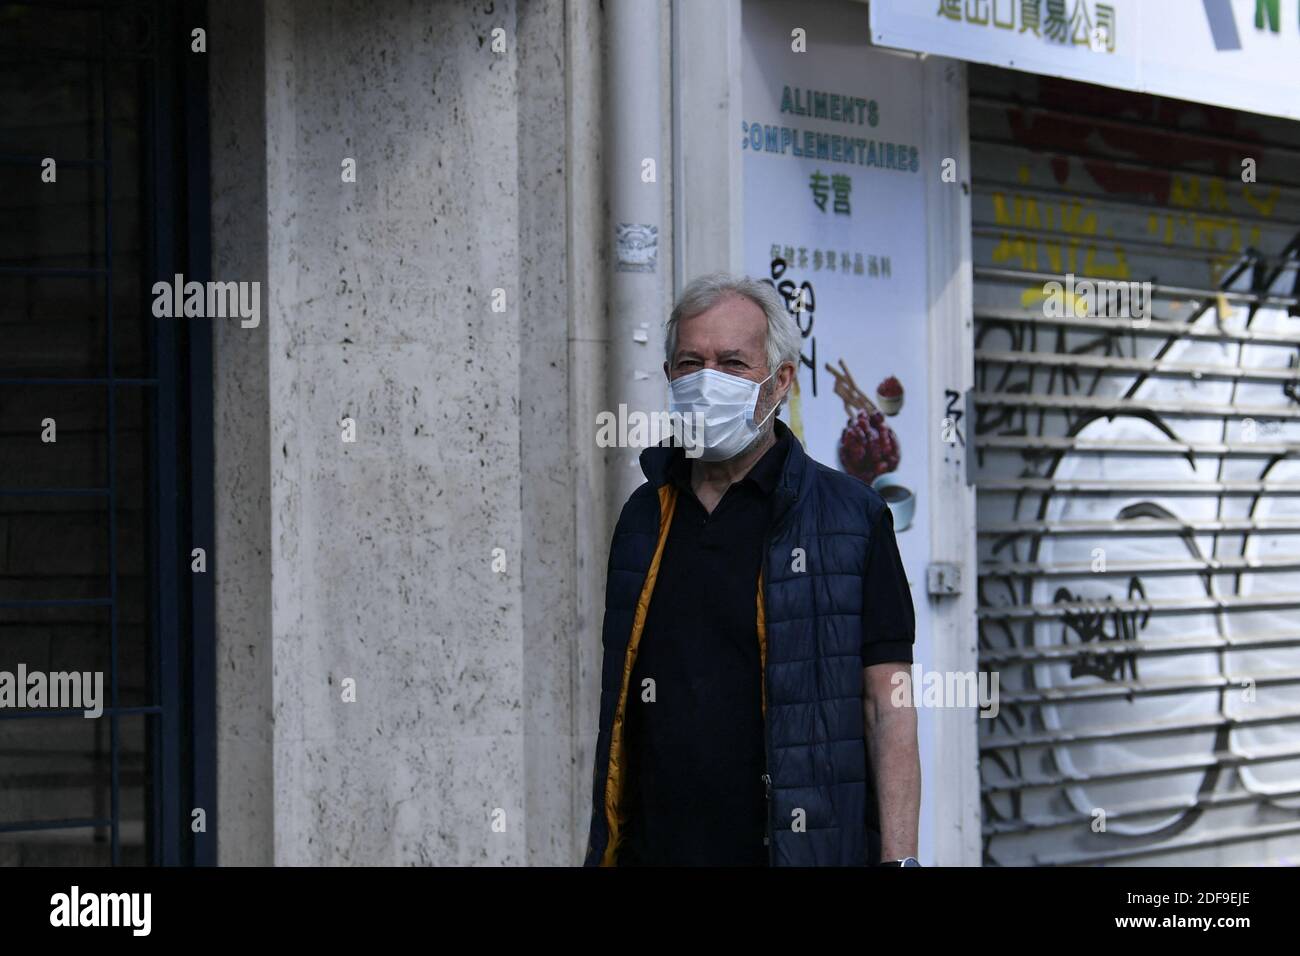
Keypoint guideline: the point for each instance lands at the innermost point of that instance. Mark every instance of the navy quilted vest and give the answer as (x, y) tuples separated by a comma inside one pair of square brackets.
[(811, 624)]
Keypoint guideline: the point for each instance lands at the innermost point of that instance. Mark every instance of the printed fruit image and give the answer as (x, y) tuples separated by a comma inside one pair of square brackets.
[(889, 394), (868, 447)]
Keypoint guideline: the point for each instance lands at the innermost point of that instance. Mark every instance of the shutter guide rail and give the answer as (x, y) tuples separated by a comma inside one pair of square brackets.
[(1178, 449), (1111, 365), (1162, 728), (1215, 760), (1101, 203), (1207, 801), (1252, 834), (1179, 645), (1155, 328)]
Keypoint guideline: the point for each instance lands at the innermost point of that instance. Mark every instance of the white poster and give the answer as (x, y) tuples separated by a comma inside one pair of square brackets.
[(1243, 54), (835, 218)]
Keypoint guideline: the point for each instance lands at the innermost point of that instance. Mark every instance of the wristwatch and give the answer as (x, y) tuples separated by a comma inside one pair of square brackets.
[(905, 861)]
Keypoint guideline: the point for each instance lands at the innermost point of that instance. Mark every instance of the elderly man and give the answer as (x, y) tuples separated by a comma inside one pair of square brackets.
[(756, 614)]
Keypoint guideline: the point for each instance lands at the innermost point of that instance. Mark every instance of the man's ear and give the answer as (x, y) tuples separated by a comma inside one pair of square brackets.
[(786, 374)]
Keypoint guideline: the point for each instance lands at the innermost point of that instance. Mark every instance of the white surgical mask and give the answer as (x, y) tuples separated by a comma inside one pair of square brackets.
[(725, 405)]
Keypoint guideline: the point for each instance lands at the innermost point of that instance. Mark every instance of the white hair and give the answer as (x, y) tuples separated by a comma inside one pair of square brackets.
[(707, 291)]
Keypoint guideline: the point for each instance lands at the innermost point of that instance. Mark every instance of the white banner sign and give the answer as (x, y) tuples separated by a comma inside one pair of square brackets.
[(1242, 54)]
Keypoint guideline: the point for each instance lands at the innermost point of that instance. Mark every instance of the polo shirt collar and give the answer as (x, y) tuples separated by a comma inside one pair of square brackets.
[(766, 472), (664, 464)]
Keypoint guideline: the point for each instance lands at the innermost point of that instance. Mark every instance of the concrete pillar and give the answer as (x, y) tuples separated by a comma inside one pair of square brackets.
[(373, 561)]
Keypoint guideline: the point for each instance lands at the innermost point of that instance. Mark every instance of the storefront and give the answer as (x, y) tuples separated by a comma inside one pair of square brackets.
[(1049, 304)]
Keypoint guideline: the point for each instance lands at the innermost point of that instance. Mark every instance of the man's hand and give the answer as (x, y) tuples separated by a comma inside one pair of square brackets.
[(895, 759)]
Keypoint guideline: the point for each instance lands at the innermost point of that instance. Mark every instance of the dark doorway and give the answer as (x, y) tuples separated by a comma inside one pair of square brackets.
[(105, 433)]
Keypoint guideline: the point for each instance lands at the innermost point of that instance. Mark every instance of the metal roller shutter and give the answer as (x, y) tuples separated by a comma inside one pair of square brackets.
[(1137, 477)]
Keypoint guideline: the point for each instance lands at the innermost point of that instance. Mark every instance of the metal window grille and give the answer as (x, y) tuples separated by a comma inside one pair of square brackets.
[(96, 528)]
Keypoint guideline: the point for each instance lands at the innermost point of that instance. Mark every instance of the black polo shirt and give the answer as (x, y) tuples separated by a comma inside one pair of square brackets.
[(695, 753)]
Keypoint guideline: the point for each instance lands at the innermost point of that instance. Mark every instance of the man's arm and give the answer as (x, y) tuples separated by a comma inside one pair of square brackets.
[(895, 760)]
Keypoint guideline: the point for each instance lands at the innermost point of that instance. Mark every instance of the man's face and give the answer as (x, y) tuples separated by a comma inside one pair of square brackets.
[(731, 337)]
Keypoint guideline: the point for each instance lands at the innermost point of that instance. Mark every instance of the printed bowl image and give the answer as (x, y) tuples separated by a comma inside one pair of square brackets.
[(901, 500), (889, 396)]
